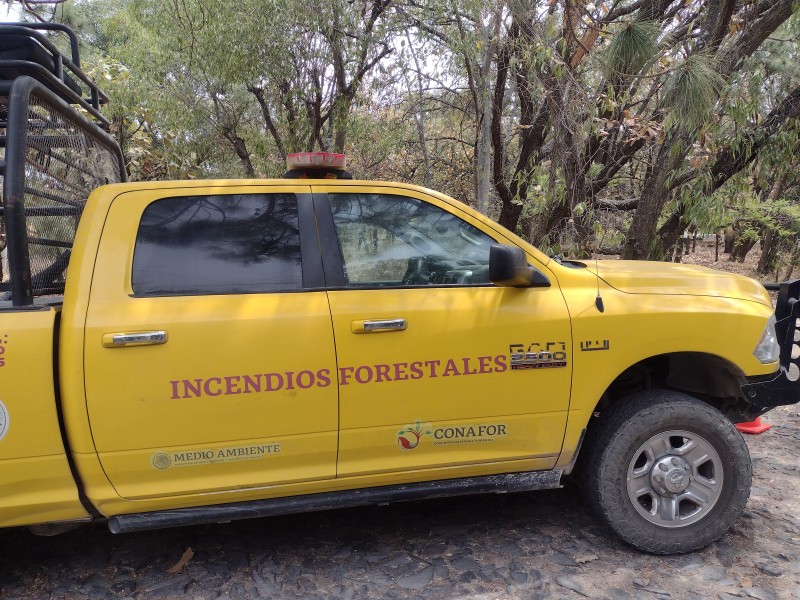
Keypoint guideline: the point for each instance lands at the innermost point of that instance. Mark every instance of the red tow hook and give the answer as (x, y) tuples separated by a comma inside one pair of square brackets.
[(753, 427)]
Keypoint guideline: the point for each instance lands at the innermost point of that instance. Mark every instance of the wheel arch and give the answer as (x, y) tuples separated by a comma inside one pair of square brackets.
[(705, 376)]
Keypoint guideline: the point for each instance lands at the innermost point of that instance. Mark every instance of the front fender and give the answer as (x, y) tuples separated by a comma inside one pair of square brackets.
[(635, 327)]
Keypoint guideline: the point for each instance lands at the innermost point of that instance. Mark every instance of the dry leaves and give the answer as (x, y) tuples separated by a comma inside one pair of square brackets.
[(179, 566)]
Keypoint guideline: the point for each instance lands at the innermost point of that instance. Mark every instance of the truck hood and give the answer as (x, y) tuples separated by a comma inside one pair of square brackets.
[(645, 277)]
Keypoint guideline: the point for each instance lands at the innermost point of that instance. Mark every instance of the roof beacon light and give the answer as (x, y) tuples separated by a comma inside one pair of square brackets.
[(311, 160), (316, 165)]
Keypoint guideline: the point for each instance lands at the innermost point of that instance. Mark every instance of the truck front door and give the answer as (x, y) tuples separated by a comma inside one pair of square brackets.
[(437, 367), (209, 353)]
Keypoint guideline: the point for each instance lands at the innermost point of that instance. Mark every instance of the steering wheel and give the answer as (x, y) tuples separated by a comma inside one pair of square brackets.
[(413, 274)]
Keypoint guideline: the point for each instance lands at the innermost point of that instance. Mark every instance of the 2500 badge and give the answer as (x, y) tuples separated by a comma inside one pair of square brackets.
[(538, 355)]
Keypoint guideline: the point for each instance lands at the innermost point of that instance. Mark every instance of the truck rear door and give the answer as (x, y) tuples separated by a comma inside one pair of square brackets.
[(209, 354)]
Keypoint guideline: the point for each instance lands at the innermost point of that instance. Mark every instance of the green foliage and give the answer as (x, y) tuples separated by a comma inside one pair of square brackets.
[(632, 47), (610, 86), (781, 217), (692, 91), (195, 69)]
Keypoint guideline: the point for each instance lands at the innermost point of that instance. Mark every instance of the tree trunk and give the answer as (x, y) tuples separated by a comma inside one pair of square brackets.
[(509, 215), (483, 140), (641, 234), (341, 111), (483, 160), (767, 253), (240, 148), (419, 110), (730, 239), (267, 116), (741, 248), (670, 232)]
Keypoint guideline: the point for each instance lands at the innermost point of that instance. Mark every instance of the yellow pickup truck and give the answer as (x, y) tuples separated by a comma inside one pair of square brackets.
[(188, 352)]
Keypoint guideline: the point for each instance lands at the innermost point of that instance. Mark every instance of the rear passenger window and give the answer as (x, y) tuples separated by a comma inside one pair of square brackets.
[(227, 244)]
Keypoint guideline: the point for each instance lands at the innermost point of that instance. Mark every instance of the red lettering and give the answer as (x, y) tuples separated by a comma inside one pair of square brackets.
[(174, 385), (2, 349), (344, 374), (450, 369), (232, 385), (196, 389), (301, 384), (268, 380), (432, 364), (289, 380), (207, 386), (382, 372), (368, 377), (252, 385), (500, 361), (484, 362), (416, 370), (323, 378), (400, 371), (466, 367)]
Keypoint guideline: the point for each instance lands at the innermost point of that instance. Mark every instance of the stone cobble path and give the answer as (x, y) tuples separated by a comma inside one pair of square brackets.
[(531, 545)]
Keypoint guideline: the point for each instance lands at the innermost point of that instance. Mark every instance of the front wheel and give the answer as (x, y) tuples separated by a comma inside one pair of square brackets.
[(668, 472)]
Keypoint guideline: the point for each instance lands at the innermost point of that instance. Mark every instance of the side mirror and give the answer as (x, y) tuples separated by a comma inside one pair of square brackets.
[(508, 267)]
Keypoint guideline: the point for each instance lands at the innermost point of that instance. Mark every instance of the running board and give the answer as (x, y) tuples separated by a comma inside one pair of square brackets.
[(223, 513)]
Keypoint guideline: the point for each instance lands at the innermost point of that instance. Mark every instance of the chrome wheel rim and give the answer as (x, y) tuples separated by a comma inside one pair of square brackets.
[(674, 478)]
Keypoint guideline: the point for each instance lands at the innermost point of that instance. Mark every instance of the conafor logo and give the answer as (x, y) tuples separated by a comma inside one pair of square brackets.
[(469, 434), (408, 438)]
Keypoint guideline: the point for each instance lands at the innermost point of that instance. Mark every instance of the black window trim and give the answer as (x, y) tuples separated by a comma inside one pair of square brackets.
[(310, 252), (332, 259)]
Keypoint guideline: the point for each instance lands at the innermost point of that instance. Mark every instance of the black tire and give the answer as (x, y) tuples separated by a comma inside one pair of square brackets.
[(669, 502)]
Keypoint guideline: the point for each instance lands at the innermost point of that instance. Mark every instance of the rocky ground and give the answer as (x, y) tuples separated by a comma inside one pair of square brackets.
[(527, 545)]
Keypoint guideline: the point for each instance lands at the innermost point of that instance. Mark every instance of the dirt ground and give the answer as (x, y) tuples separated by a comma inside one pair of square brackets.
[(704, 255), (525, 545)]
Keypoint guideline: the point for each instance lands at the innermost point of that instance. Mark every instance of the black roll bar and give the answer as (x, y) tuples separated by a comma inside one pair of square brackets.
[(97, 96), (19, 93), (73, 39)]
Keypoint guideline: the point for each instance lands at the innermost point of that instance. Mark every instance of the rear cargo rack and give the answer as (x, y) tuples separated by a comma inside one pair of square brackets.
[(24, 51), (55, 151)]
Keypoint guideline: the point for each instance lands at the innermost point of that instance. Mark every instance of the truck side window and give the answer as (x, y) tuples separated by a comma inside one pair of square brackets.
[(226, 244), (390, 241)]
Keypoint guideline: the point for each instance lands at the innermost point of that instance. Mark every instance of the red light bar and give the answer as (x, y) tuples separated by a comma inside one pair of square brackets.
[(312, 160)]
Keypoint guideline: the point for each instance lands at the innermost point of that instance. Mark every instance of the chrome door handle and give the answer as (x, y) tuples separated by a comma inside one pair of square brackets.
[(142, 338), (378, 325)]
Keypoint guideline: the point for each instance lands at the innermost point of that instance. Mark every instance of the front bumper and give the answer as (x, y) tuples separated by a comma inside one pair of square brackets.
[(784, 387)]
